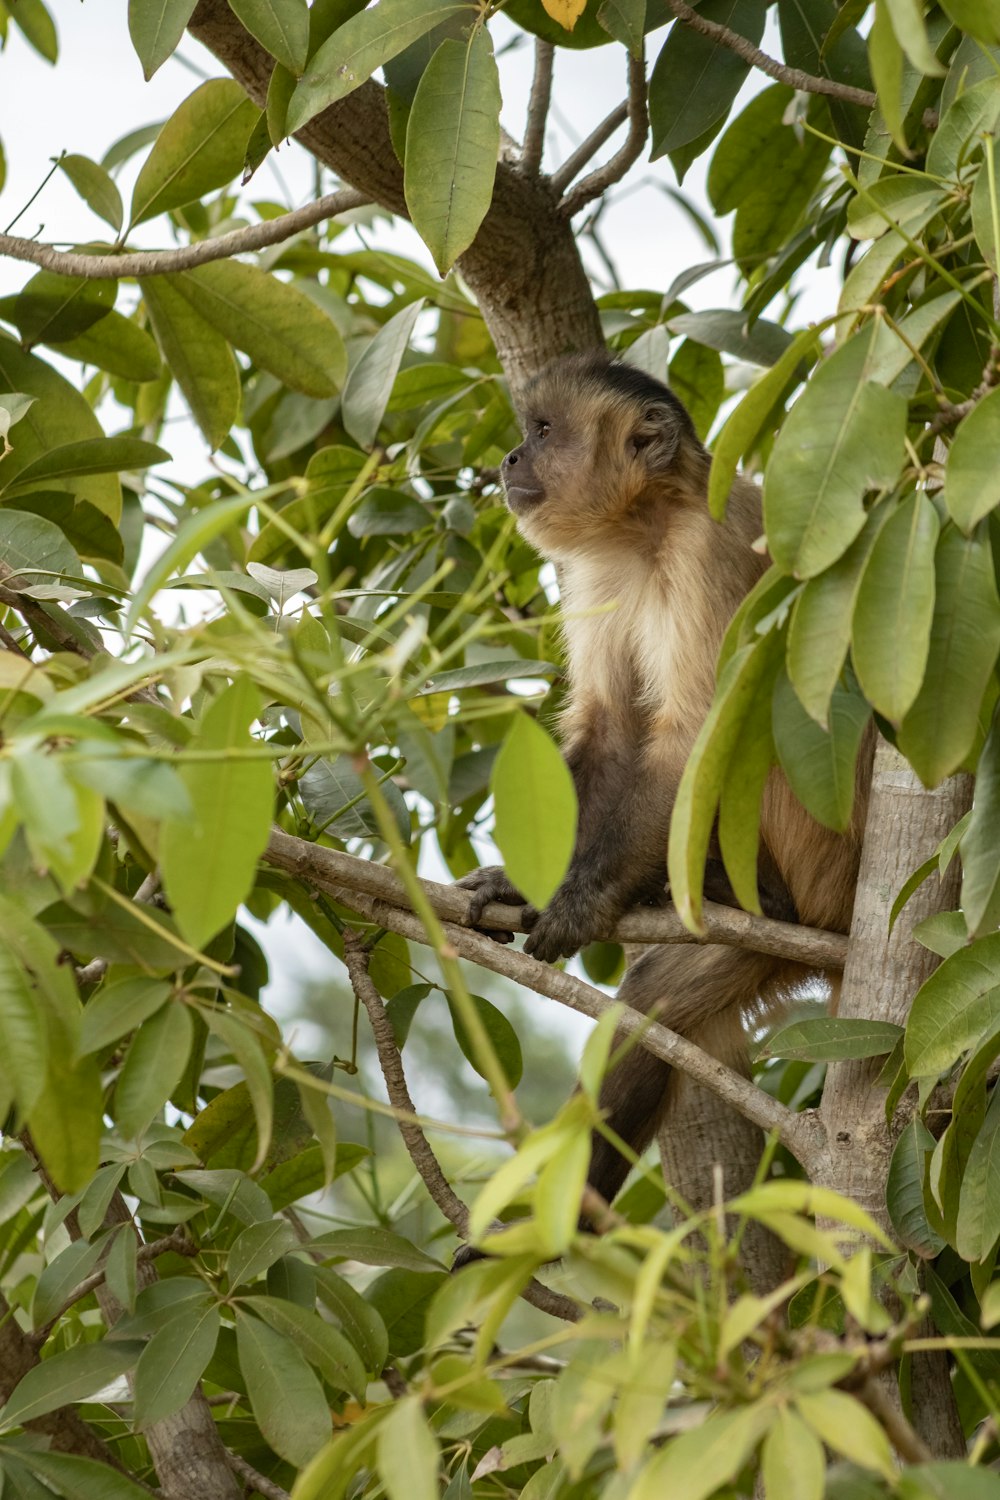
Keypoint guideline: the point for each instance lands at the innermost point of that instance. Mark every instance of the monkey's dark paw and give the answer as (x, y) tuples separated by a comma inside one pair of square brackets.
[(553, 936), (491, 884), (465, 1255)]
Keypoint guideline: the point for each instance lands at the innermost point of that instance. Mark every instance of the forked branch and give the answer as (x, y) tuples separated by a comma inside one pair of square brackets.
[(598, 181)]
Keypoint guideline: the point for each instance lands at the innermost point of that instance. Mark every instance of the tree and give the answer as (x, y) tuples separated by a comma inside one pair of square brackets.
[(367, 678)]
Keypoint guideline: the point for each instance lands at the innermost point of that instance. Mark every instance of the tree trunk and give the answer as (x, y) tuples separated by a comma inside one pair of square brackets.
[(905, 824), (523, 267)]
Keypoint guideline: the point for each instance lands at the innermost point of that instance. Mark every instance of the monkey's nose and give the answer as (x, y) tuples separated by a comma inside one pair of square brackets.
[(511, 459)]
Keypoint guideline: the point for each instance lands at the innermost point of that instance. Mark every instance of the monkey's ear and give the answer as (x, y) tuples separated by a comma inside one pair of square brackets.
[(657, 435)]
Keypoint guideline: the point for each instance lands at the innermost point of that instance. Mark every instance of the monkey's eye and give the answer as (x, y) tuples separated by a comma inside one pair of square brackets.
[(542, 429)]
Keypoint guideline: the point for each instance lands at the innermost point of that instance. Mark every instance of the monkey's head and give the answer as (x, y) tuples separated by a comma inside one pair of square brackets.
[(605, 444)]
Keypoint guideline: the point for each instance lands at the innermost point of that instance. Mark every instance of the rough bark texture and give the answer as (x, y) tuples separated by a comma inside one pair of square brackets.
[(905, 824), (523, 267)]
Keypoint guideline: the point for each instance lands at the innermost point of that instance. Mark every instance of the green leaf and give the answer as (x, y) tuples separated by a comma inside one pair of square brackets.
[(624, 20), (485, 673), (819, 631), (51, 308), (200, 148), (34, 549), (287, 1399), (66, 1122), (941, 727), (358, 1319), (360, 46), (92, 456), (194, 534), (821, 764), (156, 26), (323, 1346), (279, 327), (740, 801), (694, 80), (81, 1478), (119, 1008), (978, 1223), (71, 1375), (980, 18), (696, 376), (385, 512), (697, 1463), (832, 1039), (954, 1008), (375, 1247), (759, 342), (408, 1453), (848, 1428), (23, 1036), (971, 479), (174, 1360), (907, 19), (793, 1464), (973, 114), (116, 345), (748, 672), (95, 188), (904, 1191), (891, 630), (535, 809), (281, 27), (452, 140), (61, 1276), (369, 384), (500, 1032), (153, 1068), (844, 436), (199, 359), (981, 843), (37, 27), (256, 1248)]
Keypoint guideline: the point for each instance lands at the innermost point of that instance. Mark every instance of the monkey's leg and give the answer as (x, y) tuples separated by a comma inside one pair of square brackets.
[(684, 988)]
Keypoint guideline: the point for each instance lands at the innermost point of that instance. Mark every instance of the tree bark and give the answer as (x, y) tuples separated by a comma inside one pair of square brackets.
[(523, 267), (905, 824)]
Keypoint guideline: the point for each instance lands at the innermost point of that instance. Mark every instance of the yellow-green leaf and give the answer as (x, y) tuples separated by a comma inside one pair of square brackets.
[(535, 809)]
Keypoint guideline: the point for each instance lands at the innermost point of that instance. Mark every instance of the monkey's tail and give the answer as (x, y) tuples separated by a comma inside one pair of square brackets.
[(690, 989)]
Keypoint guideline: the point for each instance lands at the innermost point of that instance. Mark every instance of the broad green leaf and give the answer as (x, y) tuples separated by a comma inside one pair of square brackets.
[(556, 1199), (254, 1058), (156, 26), (37, 27), (323, 1346), (753, 145), (23, 1035), (904, 1191), (334, 796), (740, 801), (844, 436), (697, 1463), (890, 634), (978, 1224), (981, 844), (897, 203), (287, 1399), (535, 809), (34, 549), (71, 1375), (52, 308), (198, 357), (696, 376), (95, 187), (66, 1122), (361, 1323), (257, 1247), (281, 27), (500, 1032), (385, 512), (67, 1474), (369, 384), (58, 415), (153, 1067), (694, 81), (980, 18), (375, 1247), (971, 479), (174, 1360), (848, 1428), (954, 1008), (485, 673), (408, 1454), (948, 1481), (63, 820), (232, 1191), (941, 727), (61, 1276), (360, 46), (759, 343), (281, 329), (200, 148), (624, 20), (793, 1464), (967, 118), (452, 140), (747, 673), (92, 456), (821, 764), (819, 631), (907, 18), (832, 1039), (118, 345), (743, 428)]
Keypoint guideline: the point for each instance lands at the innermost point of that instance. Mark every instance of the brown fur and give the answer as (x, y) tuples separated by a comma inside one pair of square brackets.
[(610, 483)]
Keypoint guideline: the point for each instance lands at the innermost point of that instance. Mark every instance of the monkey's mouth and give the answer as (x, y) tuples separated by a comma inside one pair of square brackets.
[(522, 497)]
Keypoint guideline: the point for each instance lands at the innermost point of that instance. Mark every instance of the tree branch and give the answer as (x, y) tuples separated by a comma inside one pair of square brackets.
[(421, 1155), (578, 159), (160, 262), (796, 78), (538, 108), (256, 1483), (730, 926), (597, 182), (799, 1132)]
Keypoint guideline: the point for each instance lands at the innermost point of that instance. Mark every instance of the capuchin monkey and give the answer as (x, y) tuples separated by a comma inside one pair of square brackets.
[(610, 483)]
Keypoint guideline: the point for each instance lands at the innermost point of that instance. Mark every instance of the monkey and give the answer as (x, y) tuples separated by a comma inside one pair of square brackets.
[(610, 483)]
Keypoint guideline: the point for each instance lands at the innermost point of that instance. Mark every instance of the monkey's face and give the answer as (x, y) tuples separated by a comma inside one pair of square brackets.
[(601, 442)]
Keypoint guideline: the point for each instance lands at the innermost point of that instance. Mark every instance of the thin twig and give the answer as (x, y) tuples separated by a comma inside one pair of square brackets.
[(177, 1241), (907, 1442), (598, 181), (9, 644), (538, 108), (801, 1133), (159, 262), (421, 1155), (256, 1480), (589, 148), (811, 946)]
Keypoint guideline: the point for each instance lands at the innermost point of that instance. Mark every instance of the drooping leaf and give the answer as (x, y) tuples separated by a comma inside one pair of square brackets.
[(535, 809), (95, 187), (200, 148), (281, 27), (821, 764), (198, 357), (981, 844), (694, 81), (70, 1375), (971, 481), (156, 26), (890, 633), (153, 1067), (92, 456), (833, 1038), (323, 1346), (286, 1397), (366, 393), (904, 1192), (500, 1032), (958, 1004), (174, 1360)]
